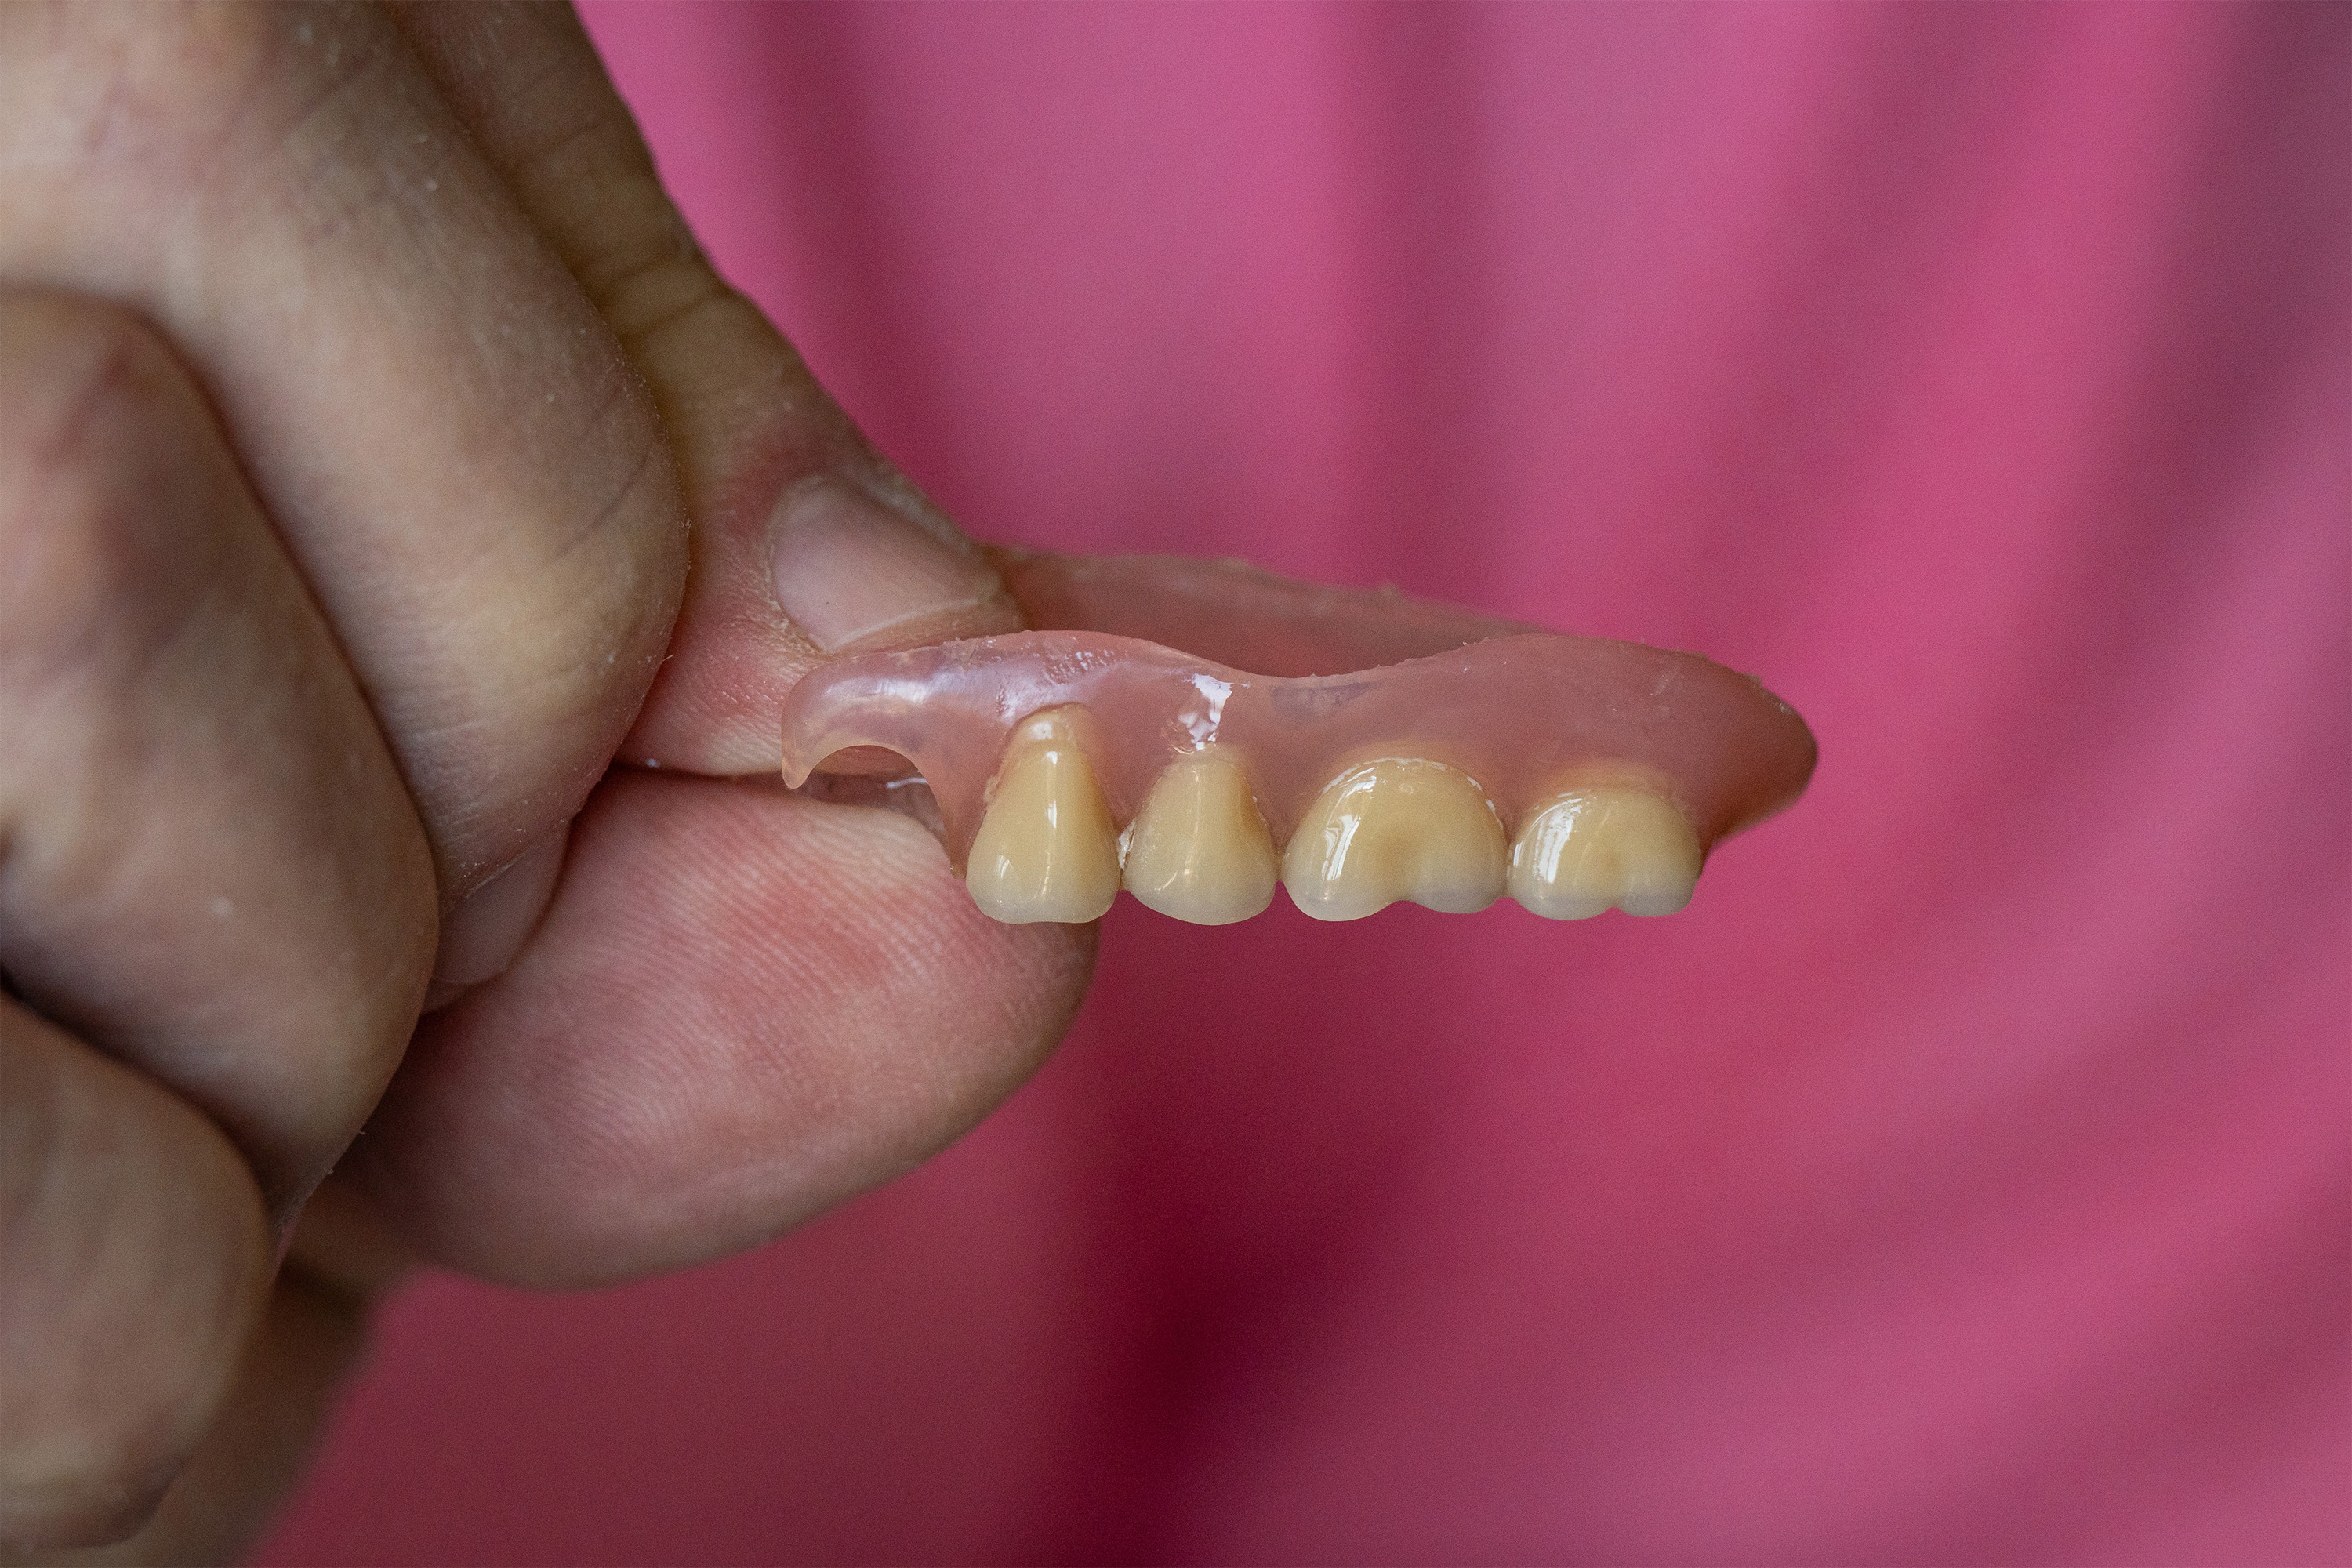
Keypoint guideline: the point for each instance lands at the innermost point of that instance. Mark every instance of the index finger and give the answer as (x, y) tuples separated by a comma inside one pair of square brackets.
[(459, 456)]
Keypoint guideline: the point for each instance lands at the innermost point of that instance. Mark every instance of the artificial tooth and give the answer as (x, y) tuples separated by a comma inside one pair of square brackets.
[(1592, 850), (1401, 827), (1046, 849), (1198, 850)]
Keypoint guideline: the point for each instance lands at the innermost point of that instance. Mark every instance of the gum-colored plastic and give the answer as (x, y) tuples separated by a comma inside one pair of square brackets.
[(1525, 713)]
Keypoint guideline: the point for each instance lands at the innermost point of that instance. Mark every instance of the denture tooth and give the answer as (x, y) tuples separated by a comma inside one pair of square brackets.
[(1590, 849), (1401, 827), (1198, 850), (1046, 849)]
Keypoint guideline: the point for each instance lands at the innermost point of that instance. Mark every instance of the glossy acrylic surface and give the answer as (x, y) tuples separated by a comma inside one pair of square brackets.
[(1524, 713)]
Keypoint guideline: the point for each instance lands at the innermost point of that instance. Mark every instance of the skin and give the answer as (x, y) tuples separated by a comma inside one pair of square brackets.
[(358, 383)]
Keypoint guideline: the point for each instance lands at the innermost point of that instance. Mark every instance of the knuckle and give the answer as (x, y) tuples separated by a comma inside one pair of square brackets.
[(89, 401), (154, 97), (61, 355), (141, 81), (199, 62)]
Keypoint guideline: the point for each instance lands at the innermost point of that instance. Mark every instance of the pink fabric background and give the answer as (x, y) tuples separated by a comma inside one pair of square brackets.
[(1964, 1178)]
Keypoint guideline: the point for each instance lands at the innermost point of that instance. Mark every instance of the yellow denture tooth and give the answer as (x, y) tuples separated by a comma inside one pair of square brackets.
[(1401, 827), (1046, 849), (1592, 850), (1199, 850)]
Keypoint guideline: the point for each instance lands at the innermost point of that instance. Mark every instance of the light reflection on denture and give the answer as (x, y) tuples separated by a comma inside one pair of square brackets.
[(1576, 775), (1392, 828), (1597, 848), (1197, 849)]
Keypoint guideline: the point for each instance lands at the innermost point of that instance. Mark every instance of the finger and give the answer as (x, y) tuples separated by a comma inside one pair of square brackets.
[(311, 1331), (743, 1006), (133, 1260), (807, 542), (462, 460), (308, 1337), (721, 1088), (208, 866), (260, 1442)]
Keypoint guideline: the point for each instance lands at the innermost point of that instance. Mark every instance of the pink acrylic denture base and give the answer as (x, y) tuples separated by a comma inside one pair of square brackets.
[(1523, 711)]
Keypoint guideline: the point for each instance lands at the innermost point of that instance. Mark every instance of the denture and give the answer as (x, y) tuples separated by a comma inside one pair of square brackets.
[(1197, 732)]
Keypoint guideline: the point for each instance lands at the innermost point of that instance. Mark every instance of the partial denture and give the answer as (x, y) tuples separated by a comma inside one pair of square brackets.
[(1361, 748)]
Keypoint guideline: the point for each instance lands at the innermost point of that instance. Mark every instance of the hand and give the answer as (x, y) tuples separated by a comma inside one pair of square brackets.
[(356, 380)]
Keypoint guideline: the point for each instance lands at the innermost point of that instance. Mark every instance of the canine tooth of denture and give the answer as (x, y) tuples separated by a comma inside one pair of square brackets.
[(1199, 850), (1591, 848), (1046, 849), (1400, 828)]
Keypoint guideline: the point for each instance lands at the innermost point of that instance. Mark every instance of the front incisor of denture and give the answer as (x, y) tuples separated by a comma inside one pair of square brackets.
[(1593, 849), (1401, 827), (1199, 850), (1046, 849)]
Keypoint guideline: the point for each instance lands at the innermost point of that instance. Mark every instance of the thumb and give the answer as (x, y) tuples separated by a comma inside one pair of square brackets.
[(807, 542), (740, 1005)]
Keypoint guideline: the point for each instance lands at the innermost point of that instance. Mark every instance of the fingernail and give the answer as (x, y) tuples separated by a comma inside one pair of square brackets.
[(848, 568), (483, 934)]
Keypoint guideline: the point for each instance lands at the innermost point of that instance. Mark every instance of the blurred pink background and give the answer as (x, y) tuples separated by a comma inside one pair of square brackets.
[(1964, 1178)]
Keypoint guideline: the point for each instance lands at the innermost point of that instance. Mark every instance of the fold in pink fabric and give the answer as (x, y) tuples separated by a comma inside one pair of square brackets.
[(1963, 1178)]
